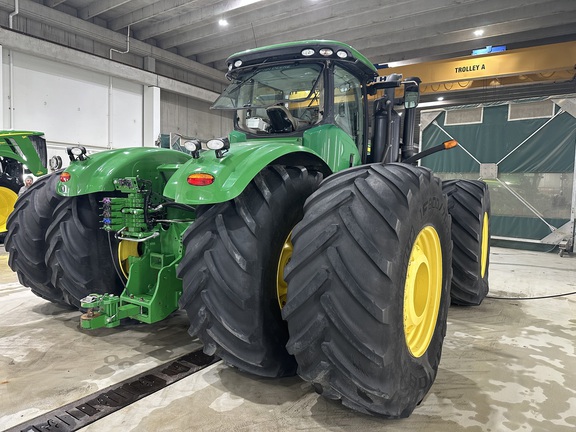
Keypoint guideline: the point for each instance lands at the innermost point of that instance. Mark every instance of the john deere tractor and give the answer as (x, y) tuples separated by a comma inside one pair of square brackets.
[(20, 152), (300, 243)]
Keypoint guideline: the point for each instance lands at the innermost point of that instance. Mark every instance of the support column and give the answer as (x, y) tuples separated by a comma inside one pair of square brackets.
[(151, 115)]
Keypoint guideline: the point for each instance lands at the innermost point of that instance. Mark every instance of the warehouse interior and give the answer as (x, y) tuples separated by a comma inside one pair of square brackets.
[(498, 77)]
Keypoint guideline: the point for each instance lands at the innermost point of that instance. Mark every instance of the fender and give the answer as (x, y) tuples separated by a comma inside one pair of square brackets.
[(98, 171), (333, 145), (236, 169)]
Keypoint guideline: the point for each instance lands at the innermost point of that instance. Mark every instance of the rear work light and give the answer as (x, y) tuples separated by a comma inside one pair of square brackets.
[(64, 177), (200, 179)]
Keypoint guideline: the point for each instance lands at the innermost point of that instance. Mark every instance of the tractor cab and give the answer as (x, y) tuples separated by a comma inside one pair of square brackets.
[(289, 89), (299, 88)]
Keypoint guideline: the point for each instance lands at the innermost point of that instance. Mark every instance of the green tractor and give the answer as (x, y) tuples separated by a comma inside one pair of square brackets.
[(295, 245), (20, 152)]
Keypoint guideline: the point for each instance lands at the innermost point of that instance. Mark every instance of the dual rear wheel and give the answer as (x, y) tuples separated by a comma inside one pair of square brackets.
[(469, 206), (362, 272), (56, 247)]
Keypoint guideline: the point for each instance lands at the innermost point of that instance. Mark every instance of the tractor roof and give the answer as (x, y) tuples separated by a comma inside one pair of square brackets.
[(304, 50)]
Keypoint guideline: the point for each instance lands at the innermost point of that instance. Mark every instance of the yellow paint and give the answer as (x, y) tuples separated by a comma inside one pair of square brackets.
[(541, 63), (422, 291)]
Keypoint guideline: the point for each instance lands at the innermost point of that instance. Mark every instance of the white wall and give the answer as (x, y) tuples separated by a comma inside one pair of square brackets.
[(70, 105), (77, 106)]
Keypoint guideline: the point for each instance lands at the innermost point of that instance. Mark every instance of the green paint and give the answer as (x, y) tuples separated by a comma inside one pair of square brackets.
[(98, 172)]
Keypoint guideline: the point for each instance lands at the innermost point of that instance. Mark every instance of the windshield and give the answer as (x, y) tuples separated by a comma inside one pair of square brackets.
[(276, 99)]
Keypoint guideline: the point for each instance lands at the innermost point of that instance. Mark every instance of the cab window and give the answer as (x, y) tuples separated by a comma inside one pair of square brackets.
[(348, 106)]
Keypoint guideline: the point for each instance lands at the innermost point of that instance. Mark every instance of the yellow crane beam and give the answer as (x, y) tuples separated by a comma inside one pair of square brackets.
[(555, 62)]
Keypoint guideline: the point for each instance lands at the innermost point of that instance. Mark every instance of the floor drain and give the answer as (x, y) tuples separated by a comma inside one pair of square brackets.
[(87, 410)]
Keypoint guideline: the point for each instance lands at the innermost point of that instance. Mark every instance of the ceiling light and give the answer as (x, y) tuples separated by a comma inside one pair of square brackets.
[(478, 33), (440, 98), (223, 22)]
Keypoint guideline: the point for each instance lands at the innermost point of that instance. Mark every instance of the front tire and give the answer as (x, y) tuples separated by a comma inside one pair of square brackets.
[(25, 240), (80, 254), (469, 206), (368, 287), (230, 271)]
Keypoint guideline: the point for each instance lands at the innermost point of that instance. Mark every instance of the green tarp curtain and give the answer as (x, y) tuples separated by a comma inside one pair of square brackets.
[(550, 150), (540, 173)]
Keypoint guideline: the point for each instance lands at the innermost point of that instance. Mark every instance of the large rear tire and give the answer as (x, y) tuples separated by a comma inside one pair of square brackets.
[(230, 271), (469, 206), (80, 254), (25, 240), (368, 287)]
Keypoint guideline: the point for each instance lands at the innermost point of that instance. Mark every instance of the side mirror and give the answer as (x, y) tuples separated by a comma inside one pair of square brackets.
[(411, 92), (411, 99)]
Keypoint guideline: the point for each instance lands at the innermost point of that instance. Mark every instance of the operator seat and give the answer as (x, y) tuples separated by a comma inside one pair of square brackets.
[(281, 120)]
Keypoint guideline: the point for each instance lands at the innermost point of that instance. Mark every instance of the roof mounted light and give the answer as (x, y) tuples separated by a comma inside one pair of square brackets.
[(307, 52), (326, 52), (238, 63), (76, 153), (342, 54), (192, 145), (220, 145), (215, 144)]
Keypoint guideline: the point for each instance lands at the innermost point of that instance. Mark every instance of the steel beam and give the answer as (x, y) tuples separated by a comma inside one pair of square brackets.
[(50, 51), (99, 7), (155, 11), (68, 23), (54, 3)]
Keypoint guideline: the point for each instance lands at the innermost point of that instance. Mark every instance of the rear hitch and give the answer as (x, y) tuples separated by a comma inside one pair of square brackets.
[(104, 310)]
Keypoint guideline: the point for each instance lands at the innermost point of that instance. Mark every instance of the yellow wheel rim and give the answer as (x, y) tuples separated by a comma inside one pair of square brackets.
[(485, 242), (7, 200), (422, 291), (281, 285), (126, 249)]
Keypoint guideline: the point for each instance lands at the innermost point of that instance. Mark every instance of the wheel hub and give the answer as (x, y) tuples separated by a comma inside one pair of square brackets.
[(422, 291), (281, 285), (485, 242), (7, 200), (126, 249)]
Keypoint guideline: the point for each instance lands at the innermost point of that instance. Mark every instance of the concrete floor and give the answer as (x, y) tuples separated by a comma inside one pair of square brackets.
[(506, 366)]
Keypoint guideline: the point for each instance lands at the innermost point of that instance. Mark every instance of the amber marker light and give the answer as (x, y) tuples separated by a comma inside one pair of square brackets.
[(450, 144), (64, 177), (200, 179)]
